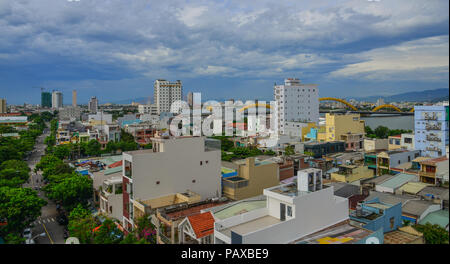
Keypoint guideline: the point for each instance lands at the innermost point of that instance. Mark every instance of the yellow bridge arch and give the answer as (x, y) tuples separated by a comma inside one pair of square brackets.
[(386, 106), (255, 105), (338, 100)]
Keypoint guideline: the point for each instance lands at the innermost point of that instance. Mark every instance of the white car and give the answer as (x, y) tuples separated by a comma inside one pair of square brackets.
[(30, 241), (27, 233)]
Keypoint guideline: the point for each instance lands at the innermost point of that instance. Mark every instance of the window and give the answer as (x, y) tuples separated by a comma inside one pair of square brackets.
[(201, 163), (392, 222), (409, 158), (289, 211)]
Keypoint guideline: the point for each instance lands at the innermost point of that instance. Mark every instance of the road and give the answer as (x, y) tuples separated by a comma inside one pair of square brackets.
[(46, 223)]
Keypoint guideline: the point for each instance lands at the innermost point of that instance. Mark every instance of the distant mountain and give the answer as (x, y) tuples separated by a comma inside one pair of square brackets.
[(422, 96), (141, 100)]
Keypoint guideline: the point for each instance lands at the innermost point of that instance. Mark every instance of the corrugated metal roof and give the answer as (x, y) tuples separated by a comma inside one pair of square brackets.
[(398, 180), (416, 207), (113, 170), (413, 187), (440, 218)]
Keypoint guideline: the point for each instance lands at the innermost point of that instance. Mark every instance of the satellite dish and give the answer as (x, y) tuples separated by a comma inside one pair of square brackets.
[(72, 240)]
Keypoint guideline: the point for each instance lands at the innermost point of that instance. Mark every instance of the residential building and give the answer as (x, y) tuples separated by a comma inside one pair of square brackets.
[(433, 170), (391, 159), (185, 168), (438, 195), (338, 125), (297, 102), (431, 130), (93, 105), (70, 113), (404, 235), (2, 106), (100, 118), (407, 141), (74, 98), (166, 93), (57, 99), (393, 184), (319, 149), (16, 121), (375, 144), (395, 142), (440, 218), (111, 198), (142, 132), (148, 109), (46, 99), (253, 176), (184, 223), (416, 210), (190, 99), (352, 173), (292, 211), (374, 214)]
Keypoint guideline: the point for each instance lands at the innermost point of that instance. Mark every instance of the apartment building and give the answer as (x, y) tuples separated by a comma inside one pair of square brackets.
[(297, 102), (395, 142), (166, 93), (46, 99), (407, 141), (375, 144), (434, 171), (292, 211), (57, 99), (352, 173), (345, 127), (74, 98), (184, 165), (253, 176), (148, 109), (387, 160), (93, 105), (431, 130)]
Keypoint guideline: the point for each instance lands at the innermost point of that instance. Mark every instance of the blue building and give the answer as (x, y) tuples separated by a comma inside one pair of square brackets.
[(374, 215), (431, 130)]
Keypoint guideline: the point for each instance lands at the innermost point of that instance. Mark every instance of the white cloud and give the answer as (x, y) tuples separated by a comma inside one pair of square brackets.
[(430, 55)]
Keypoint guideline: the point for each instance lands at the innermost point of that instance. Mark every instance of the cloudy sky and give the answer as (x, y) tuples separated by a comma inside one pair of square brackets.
[(115, 49)]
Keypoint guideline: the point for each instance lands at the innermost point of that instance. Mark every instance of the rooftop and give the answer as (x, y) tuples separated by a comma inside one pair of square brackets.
[(202, 224), (251, 226), (239, 207), (434, 161), (440, 218), (378, 180), (390, 198), (341, 233), (416, 207), (413, 187), (398, 180)]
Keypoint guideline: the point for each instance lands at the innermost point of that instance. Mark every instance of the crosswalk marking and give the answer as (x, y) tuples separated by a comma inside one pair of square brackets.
[(44, 220)]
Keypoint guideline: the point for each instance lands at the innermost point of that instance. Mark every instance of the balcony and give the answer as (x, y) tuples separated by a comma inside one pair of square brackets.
[(427, 174), (433, 138), (235, 182)]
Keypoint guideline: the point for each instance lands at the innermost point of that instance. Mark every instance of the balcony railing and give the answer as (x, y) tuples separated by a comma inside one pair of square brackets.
[(427, 174), (164, 239)]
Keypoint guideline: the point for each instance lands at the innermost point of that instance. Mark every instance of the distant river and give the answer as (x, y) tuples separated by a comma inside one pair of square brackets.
[(392, 122)]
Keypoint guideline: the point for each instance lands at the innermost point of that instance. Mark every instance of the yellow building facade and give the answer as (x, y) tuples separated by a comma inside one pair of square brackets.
[(351, 173), (340, 124), (253, 177)]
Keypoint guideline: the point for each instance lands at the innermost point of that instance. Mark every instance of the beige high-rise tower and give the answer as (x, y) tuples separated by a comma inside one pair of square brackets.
[(2, 106), (74, 98)]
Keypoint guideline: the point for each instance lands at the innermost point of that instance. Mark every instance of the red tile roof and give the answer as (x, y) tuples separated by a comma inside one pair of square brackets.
[(396, 136), (434, 161), (115, 164), (202, 224)]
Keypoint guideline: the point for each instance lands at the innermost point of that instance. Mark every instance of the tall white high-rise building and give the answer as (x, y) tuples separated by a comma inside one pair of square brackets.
[(166, 93), (57, 99), (297, 102), (93, 105)]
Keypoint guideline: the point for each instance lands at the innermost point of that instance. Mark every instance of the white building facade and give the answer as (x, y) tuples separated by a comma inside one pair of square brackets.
[(166, 93), (431, 130), (292, 211), (57, 99), (93, 105), (297, 103)]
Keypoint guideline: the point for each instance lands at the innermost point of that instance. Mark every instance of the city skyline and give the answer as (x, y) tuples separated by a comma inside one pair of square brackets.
[(221, 49)]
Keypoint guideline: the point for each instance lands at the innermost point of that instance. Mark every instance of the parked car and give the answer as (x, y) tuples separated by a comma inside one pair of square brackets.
[(27, 233)]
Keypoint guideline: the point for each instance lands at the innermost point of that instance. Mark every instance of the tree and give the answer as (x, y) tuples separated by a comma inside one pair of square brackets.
[(20, 207), (62, 151), (433, 234), (82, 228), (93, 148), (111, 147), (108, 233), (270, 152), (79, 212), (71, 191), (368, 130), (289, 150), (381, 132)]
